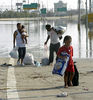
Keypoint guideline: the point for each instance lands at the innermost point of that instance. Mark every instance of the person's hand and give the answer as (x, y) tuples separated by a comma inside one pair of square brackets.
[(45, 43), (60, 37), (63, 57), (14, 46)]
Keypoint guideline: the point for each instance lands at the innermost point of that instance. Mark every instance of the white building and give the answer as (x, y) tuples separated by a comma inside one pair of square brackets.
[(60, 8)]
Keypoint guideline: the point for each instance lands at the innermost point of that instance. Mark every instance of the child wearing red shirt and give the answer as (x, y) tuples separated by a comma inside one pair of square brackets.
[(70, 68)]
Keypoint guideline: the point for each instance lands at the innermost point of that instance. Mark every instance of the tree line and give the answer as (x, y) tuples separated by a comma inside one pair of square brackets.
[(15, 14)]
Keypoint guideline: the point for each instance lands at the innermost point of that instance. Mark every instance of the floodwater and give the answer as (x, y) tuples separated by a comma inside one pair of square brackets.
[(82, 45)]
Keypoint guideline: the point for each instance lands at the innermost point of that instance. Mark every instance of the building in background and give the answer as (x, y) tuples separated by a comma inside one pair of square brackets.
[(60, 8), (19, 6)]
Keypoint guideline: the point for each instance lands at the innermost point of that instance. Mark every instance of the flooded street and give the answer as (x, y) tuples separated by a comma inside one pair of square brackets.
[(37, 37)]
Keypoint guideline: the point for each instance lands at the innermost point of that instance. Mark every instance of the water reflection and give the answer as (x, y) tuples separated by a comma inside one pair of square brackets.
[(90, 35), (60, 22), (79, 38), (37, 36)]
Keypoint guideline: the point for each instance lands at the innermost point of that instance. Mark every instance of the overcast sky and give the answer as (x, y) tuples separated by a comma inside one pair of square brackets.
[(71, 4)]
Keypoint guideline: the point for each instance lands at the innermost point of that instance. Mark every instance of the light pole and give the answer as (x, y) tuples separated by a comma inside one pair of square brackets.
[(79, 1), (11, 5), (86, 30), (28, 1), (89, 6), (79, 26)]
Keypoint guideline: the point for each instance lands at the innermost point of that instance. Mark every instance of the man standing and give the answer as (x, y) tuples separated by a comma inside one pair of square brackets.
[(17, 37), (54, 42)]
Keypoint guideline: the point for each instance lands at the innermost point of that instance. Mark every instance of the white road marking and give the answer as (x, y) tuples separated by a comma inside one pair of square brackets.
[(11, 83)]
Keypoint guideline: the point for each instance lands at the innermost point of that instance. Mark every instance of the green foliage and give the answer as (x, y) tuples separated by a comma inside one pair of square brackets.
[(15, 14)]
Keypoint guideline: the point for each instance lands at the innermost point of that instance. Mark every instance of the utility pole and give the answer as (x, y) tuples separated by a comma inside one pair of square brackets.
[(86, 29), (11, 5), (79, 2), (79, 25), (47, 4), (28, 1), (89, 6)]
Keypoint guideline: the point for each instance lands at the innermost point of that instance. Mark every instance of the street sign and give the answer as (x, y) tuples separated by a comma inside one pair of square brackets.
[(30, 6), (63, 9), (43, 11)]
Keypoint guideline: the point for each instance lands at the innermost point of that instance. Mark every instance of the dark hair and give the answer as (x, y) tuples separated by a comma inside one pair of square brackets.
[(23, 26), (18, 24), (48, 26), (66, 38)]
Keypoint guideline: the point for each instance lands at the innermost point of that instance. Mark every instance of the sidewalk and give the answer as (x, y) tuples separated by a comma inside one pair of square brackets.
[(38, 83), (3, 79)]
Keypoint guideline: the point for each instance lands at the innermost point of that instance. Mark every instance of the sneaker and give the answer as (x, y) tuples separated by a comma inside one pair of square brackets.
[(18, 63), (22, 64)]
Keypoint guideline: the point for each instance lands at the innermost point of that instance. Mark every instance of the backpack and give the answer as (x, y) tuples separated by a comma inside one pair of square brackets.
[(75, 80)]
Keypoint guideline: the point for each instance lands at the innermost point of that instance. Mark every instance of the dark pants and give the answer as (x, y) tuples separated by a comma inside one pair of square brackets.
[(53, 48), (21, 52)]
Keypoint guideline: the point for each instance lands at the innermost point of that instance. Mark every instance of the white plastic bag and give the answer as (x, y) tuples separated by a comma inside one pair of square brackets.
[(61, 29), (45, 59), (14, 53), (29, 59)]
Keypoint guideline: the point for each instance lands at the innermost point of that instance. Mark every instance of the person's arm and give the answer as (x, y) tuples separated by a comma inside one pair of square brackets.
[(54, 30), (48, 37), (60, 37), (59, 54), (72, 51), (24, 36), (62, 57), (14, 37), (26, 39), (58, 33)]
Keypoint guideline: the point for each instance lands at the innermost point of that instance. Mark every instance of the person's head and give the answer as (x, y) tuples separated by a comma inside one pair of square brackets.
[(48, 27), (67, 40), (23, 28), (19, 26)]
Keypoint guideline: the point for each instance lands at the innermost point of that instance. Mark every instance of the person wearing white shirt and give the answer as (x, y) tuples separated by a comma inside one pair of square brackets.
[(54, 42), (17, 40)]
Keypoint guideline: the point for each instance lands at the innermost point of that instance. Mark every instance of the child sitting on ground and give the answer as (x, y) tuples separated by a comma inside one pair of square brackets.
[(70, 68)]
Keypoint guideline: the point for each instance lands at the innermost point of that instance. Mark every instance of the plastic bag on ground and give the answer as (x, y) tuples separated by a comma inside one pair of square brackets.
[(45, 59), (29, 59), (37, 64)]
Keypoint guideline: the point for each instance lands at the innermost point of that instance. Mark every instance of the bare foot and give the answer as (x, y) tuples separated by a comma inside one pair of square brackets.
[(66, 86), (51, 64), (70, 84)]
